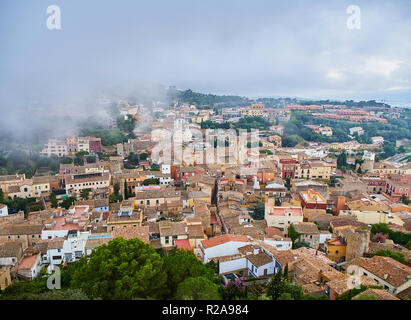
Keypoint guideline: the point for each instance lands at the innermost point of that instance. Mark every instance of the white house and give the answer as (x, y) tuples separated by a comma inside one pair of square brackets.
[(3, 210), (30, 267), (377, 140), (224, 245), (358, 130), (249, 257), (279, 243), (67, 250), (324, 235)]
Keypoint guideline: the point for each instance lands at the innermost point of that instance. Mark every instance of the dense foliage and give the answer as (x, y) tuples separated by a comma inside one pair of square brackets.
[(397, 236)]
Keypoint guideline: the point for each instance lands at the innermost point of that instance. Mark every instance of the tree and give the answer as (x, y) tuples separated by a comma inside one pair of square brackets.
[(275, 287), (53, 200), (388, 253), (78, 161), (84, 194), (67, 202), (122, 269), (198, 288), (401, 149), (288, 183), (132, 159), (365, 297), (285, 274), (234, 290), (285, 296), (182, 265), (143, 156), (116, 188), (91, 159), (404, 199), (1, 195), (81, 154), (342, 160), (258, 211), (379, 237), (115, 198), (147, 182), (292, 233)]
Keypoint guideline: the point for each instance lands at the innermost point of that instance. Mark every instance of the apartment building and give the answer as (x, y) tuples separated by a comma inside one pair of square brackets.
[(314, 170), (92, 181), (282, 217), (55, 147)]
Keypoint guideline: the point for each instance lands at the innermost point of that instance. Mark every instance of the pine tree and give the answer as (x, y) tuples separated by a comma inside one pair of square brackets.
[(53, 200), (285, 274)]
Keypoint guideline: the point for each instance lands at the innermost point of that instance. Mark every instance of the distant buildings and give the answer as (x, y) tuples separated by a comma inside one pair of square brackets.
[(255, 110), (71, 145), (358, 130)]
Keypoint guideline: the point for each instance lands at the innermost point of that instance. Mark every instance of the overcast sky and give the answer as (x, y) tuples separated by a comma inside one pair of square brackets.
[(253, 48)]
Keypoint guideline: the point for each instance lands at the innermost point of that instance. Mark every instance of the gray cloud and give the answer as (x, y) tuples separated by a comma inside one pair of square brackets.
[(298, 48)]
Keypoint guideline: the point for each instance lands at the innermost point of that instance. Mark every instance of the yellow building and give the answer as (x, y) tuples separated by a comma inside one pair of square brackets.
[(314, 170), (203, 115), (5, 278), (198, 196), (336, 250), (125, 217), (373, 217)]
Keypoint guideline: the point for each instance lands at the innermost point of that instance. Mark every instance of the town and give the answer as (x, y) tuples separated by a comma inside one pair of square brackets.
[(213, 197)]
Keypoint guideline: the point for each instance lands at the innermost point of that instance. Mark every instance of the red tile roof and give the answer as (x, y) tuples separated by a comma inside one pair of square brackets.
[(223, 239), (183, 244)]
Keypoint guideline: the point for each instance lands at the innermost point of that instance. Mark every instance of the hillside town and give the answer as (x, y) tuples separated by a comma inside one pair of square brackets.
[(331, 216)]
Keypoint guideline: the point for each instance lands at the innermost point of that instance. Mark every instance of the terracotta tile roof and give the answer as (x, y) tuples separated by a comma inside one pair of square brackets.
[(306, 228), (260, 259), (379, 293), (132, 232), (340, 286), (215, 241), (21, 229), (94, 243), (183, 244), (284, 257), (387, 269), (195, 231), (310, 288), (168, 228), (404, 294), (154, 227), (56, 243), (10, 249), (28, 262)]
